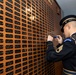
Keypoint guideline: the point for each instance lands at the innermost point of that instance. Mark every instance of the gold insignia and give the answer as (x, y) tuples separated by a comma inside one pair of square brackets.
[(59, 49)]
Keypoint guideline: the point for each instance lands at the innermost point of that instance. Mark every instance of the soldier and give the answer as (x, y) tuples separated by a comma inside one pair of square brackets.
[(67, 46)]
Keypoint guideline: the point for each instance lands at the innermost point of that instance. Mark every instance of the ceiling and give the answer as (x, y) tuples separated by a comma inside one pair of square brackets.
[(67, 6)]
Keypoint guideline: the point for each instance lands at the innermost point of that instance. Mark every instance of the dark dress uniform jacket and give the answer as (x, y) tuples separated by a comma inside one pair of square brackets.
[(67, 53)]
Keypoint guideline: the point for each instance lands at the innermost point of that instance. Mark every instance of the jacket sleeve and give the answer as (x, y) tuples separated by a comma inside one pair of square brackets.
[(66, 52)]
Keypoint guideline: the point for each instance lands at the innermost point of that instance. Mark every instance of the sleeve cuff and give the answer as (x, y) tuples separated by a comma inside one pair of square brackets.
[(49, 43)]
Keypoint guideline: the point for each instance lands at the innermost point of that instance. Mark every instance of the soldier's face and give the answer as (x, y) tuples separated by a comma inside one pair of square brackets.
[(66, 31)]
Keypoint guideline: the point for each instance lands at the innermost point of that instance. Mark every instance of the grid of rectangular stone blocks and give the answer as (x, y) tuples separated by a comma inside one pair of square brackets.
[(24, 25)]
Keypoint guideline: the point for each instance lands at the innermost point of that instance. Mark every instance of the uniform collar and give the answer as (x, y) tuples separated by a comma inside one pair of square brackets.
[(74, 34)]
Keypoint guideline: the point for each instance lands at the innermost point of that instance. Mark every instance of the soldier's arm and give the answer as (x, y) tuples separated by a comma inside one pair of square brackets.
[(66, 52)]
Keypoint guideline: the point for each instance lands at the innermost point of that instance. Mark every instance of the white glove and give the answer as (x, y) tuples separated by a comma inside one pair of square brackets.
[(50, 38), (59, 39)]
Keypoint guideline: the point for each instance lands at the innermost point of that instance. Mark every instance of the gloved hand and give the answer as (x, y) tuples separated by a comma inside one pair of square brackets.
[(50, 38), (59, 39)]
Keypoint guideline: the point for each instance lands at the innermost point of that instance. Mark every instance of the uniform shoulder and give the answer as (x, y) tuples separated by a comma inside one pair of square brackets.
[(68, 40)]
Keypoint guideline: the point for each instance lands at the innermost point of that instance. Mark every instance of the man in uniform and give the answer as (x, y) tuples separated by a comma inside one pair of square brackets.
[(67, 46)]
